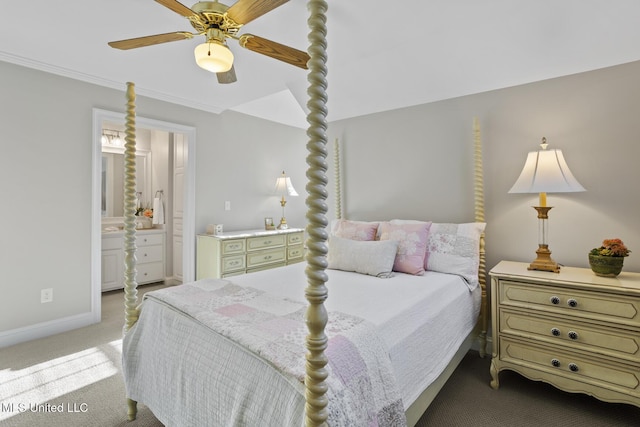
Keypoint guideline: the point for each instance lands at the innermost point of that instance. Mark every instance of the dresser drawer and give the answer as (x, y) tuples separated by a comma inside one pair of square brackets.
[(616, 343), (232, 246), (294, 238), (255, 259), (150, 272), (593, 305), (148, 239), (233, 263), (149, 254), (263, 242), (295, 252), (567, 370)]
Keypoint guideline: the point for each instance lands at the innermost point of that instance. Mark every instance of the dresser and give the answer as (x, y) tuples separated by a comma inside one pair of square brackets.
[(573, 329), (150, 258), (239, 252)]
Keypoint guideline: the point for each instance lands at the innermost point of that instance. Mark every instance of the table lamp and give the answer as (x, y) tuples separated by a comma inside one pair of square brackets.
[(284, 188), (545, 171)]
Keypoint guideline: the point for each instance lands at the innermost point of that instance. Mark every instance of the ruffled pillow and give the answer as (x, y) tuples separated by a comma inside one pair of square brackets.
[(412, 245), (355, 230), (374, 258), (455, 248)]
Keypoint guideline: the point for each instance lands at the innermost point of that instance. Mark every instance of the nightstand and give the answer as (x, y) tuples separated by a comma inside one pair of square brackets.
[(573, 329)]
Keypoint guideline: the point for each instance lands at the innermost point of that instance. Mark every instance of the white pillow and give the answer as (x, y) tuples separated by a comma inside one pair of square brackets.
[(374, 258)]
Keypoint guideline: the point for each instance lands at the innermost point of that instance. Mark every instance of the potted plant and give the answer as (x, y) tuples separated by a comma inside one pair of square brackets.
[(607, 260)]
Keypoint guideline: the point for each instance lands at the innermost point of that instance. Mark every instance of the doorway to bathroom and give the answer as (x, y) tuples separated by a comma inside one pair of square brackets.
[(165, 173)]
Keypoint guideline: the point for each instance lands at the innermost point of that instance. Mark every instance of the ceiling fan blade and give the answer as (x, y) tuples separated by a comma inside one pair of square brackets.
[(244, 11), (177, 7), (275, 50), (227, 76), (150, 40)]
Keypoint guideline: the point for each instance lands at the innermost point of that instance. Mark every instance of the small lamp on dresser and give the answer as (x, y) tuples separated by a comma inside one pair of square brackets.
[(545, 171), (284, 187)]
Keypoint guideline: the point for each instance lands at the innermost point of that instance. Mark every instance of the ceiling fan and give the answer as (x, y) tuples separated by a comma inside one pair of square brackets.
[(218, 22)]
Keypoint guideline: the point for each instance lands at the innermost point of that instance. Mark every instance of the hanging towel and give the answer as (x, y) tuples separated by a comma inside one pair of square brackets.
[(158, 211)]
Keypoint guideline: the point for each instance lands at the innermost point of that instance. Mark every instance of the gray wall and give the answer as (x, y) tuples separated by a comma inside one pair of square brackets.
[(417, 163), (45, 184), (411, 163)]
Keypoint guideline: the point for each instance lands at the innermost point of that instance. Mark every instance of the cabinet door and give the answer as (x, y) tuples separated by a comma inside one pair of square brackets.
[(112, 269)]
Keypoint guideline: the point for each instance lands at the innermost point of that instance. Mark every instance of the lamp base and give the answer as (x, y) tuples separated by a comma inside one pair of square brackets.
[(283, 224), (543, 261)]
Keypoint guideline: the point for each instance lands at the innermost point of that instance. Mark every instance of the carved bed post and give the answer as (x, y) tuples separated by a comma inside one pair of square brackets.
[(130, 284), (337, 173), (316, 292), (479, 217)]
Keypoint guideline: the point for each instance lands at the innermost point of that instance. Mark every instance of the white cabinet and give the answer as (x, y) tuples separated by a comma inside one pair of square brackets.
[(239, 252), (150, 249)]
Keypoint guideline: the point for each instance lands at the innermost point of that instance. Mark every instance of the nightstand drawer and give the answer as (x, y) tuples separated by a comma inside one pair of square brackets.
[(233, 263), (263, 242), (558, 366), (232, 246), (255, 259), (575, 334), (606, 307)]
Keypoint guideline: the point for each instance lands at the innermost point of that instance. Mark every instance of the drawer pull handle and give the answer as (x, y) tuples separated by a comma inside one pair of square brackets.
[(573, 335), (555, 332), (267, 242), (554, 300), (555, 363), (572, 303), (573, 367), (145, 254), (267, 257)]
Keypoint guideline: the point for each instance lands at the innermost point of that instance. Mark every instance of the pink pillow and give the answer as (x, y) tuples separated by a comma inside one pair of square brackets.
[(412, 245), (356, 230)]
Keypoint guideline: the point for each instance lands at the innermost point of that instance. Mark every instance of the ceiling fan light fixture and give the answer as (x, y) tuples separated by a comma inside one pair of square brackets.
[(214, 56)]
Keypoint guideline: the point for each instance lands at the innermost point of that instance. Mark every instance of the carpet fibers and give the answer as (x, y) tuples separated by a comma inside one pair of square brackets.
[(74, 379)]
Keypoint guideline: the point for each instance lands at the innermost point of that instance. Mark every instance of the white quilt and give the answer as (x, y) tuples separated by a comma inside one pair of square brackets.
[(191, 377)]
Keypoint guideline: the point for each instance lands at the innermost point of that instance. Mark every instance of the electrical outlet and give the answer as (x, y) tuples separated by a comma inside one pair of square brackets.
[(46, 295), (227, 205)]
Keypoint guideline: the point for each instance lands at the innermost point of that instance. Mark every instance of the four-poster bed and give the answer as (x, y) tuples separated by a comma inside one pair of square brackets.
[(194, 355)]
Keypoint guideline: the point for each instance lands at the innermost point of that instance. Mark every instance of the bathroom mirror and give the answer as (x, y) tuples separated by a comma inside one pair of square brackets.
[(113, 180)]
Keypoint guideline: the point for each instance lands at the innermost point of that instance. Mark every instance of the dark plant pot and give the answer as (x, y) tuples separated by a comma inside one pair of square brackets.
[(606, 266)]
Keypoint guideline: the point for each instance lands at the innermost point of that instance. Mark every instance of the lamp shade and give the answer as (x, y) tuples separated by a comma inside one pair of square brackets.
[(284, 187), (546, 171), (214, 56)]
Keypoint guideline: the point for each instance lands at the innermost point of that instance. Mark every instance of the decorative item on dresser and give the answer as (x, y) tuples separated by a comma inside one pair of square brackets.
[(574, 330), (239, 252), (607, 260), (284, 187)]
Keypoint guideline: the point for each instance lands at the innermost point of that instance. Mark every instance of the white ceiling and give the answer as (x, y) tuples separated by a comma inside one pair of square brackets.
[(382, 55)]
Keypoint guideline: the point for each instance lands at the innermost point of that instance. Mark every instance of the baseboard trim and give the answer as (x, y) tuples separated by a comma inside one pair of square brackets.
[(45, 329)]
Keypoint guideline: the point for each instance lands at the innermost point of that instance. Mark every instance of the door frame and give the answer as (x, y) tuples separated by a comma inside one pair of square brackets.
[(188, 230)]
